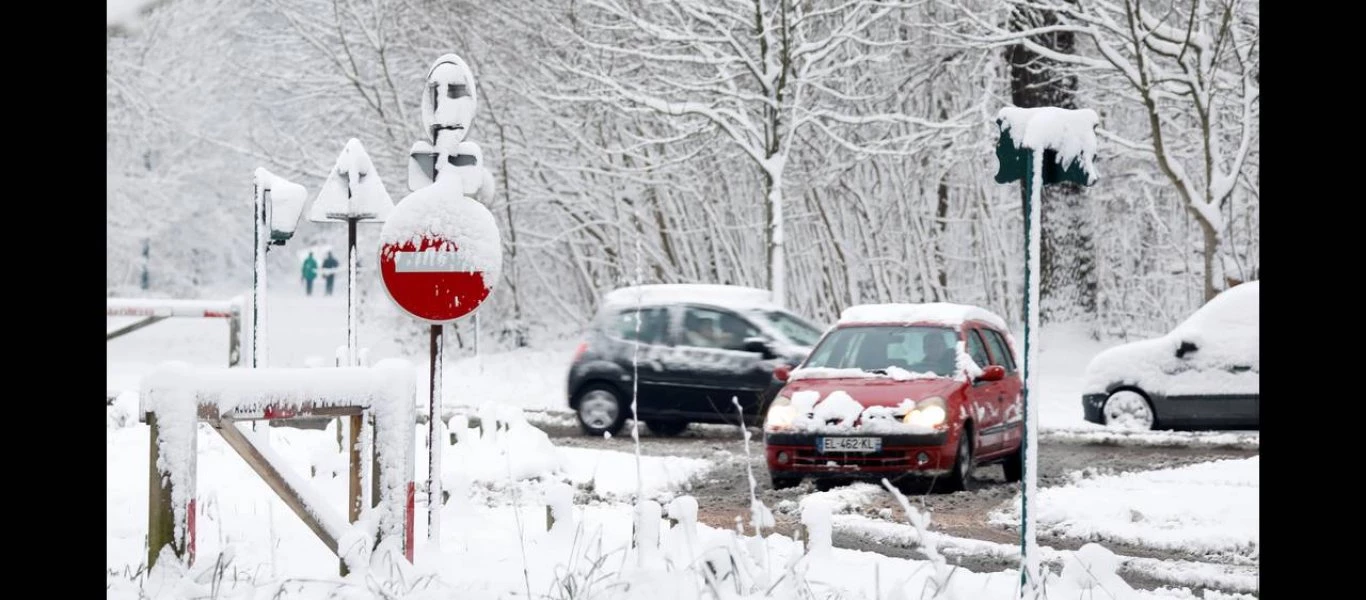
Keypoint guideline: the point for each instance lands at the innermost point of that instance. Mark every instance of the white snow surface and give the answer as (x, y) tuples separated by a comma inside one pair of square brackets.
[(1238, 578), (490, 530), (1072, 133), (367, 199), (728, 296), (942, 313), (175, 391), (1205, 509), (124, 12), (232, 389), (505, 449), (1226, 331), (845, 498)]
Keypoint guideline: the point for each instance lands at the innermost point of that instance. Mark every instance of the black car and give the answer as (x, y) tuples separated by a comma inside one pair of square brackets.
[(699, 347)]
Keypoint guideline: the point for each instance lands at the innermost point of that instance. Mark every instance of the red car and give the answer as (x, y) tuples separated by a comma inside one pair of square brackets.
[(900, 390)]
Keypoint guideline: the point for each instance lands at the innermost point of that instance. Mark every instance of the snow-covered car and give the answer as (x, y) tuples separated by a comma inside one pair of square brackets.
[(700, 346), (897, 391), (1204, 374)]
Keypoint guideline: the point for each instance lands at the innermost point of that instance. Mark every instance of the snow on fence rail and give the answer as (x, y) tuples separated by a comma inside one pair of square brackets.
[(176, 397), (165, 307), (157, 309)]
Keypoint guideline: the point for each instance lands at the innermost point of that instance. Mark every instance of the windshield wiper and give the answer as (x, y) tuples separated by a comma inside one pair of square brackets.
[(877, 371)]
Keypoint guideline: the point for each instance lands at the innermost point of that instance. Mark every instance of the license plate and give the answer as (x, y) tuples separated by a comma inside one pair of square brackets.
[(851, 444)]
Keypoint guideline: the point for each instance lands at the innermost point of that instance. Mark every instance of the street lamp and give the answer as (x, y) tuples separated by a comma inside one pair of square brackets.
[(278, 204)]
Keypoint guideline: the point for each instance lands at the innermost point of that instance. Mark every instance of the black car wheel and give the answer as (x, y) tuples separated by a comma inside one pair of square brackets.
[(960, 478), (1128, 409), (1014, 465), (667, 427), (782, 482), (600, 411)]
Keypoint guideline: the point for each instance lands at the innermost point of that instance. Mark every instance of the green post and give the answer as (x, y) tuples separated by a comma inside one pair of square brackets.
[(1020, 163)]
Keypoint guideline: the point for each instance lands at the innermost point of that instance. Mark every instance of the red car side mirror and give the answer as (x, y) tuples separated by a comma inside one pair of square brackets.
[(992, 373), (781, 372)]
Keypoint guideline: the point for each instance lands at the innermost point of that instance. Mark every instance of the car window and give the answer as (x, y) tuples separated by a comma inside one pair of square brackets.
[(794, 328), (707, 328), (976, 349), (1000, 349), (872, 348), (654, 323)]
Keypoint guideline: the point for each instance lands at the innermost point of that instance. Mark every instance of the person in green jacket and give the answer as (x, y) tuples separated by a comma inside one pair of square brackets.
[(310, 272)]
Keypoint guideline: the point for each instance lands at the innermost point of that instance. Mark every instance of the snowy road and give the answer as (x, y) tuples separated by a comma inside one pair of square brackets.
[(723, 496)]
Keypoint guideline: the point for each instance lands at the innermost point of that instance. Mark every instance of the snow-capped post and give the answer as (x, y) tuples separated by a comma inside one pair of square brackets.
[(278, 203), (440, 252), (1038, 147), (353, 192)]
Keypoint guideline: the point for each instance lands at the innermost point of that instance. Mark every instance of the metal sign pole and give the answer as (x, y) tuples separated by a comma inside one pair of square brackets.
[(351, 259), (434, 440)]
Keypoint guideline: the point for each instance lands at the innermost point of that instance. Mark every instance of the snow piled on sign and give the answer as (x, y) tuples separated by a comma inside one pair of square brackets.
[(287, 200), (728, 296), (941, 313), (442, 211), (1205, 509), (352, 190), (1072, 133)]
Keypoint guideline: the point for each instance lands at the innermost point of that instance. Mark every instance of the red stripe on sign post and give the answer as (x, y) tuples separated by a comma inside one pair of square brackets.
[(408, 514), (189, 532)]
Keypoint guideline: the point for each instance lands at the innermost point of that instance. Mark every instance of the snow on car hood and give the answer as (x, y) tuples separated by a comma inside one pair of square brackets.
[(863, 405)]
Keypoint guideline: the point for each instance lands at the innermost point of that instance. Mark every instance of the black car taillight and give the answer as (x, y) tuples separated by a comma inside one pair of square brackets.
[(578, 352)]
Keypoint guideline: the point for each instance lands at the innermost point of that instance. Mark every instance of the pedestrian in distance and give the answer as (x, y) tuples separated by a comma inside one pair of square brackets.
[(330, 265), (310, 272)]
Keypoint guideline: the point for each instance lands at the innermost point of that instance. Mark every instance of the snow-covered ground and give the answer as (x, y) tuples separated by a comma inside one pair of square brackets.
[(494, 541), (1237, 578), (235, 508), (1204, 509)]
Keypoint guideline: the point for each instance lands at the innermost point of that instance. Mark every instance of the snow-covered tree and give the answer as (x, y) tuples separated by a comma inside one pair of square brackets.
[(1181, 85), (756, 72)]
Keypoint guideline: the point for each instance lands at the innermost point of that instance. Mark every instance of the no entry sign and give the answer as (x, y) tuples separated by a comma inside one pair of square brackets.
[(440, 255)]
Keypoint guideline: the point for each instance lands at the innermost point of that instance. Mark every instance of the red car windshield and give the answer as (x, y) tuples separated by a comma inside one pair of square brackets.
[(875, 348)]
